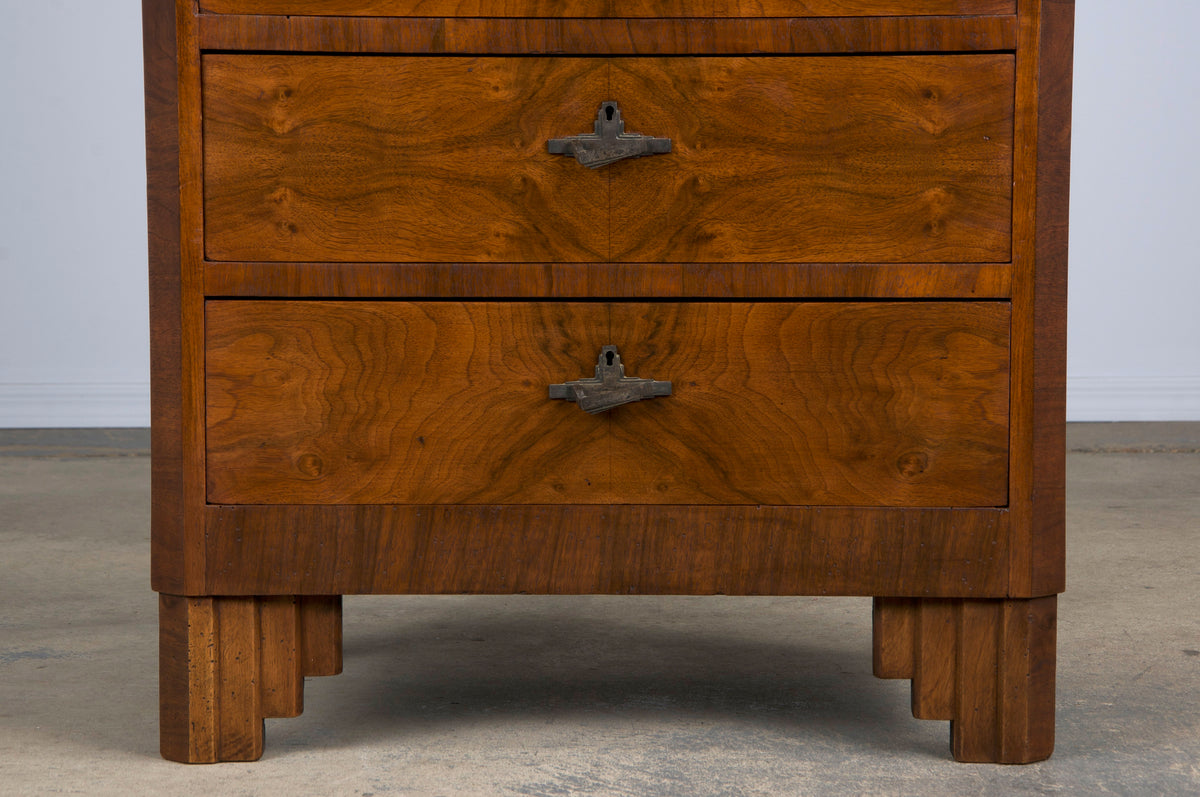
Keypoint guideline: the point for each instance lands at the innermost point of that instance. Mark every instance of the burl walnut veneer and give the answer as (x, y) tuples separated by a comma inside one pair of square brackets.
[(376, 247)]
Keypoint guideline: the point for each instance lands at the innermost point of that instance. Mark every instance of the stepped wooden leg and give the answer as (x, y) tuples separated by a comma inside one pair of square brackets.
[(282, 687), (935, 652), (321, 619), (226, 663), (985, 665), (894, 621)]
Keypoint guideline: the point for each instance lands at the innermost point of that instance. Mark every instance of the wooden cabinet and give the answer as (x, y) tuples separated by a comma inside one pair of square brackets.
[(369, 266)]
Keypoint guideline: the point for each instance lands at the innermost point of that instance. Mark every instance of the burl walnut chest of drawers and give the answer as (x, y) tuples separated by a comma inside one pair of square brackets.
[(743, 297)]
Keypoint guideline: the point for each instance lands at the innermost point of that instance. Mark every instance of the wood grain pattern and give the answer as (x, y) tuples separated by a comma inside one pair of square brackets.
[(886, 159), (608, 36), (1026, 679), (239, 696), (893, 637), (884, 404), (311, 158), (840, 403), (986, 665), (282, 671), (191, 269), (176, 294), (321, 624), (1021, 483), (228, 662), (401, 403), (173, 189), (170, 551), (443, 159), (936, 660), (586, 280), (608, 8), (1040, 280), (187, 675), (975, 721), (1004, 709), (1047, 548), (620, 549)]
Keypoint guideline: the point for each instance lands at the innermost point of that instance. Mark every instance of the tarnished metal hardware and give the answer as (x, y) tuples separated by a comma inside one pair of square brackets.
[(609, 143), (609, 387)]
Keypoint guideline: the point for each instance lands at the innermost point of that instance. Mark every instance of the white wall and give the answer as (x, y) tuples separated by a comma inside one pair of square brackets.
[(74, 344), (1134, 338), (73, 325)]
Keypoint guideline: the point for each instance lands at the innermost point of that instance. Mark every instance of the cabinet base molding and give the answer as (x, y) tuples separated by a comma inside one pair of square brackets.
[(985, 665), (227, 663)]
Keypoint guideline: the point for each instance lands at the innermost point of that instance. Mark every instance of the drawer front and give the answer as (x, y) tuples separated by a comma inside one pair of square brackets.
[(320, 158), (889, 159), (774, 403), (847, 159), (600, 8)]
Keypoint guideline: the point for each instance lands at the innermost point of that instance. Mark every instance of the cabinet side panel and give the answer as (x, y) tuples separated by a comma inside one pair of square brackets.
[(173, 188), (1039, 298), (1050, 297), (162, 176)]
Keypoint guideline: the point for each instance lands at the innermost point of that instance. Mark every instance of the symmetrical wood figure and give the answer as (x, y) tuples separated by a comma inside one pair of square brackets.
[(834, 404), (368, 268), (308, 158)]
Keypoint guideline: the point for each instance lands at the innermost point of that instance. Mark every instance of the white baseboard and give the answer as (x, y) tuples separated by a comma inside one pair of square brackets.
[(96, 404), (74, 404), (1124, 398)]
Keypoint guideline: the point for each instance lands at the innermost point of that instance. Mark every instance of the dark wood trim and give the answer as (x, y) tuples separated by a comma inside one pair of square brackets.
[(807, 35), (601, 8), (191, 258), (1055, 58), (1024, 201), (596, 549), (559, 280), (168, 560), (1038, 444), (182, 721)]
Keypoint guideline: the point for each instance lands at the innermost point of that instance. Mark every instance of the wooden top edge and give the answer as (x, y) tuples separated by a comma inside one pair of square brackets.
[(576, 9), (595, 36), (969, 514), (826, 18)]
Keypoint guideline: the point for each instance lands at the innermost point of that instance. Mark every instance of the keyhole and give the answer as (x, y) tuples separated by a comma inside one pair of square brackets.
[(608, 356), (608, 111)]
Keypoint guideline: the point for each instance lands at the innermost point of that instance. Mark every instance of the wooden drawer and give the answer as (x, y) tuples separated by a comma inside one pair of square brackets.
[(887, 159), (778, 403), (599, 8)]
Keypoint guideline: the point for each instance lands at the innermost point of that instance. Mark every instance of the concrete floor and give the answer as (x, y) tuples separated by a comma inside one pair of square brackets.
[(594, 695)]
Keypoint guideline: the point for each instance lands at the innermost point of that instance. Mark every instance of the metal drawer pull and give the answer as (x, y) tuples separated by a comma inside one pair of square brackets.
[(609, 143), (609, 387)]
